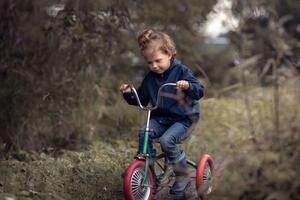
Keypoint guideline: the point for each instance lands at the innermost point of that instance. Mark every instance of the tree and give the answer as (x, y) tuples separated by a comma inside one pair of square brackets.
[(269, 29), (58, 67)]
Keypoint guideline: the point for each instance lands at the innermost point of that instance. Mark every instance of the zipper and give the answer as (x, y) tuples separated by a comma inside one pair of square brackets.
[(162, 98)]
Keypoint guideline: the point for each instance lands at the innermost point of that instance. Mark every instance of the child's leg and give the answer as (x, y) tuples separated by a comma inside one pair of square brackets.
[(176, 157), (156, 131), (168, 141)]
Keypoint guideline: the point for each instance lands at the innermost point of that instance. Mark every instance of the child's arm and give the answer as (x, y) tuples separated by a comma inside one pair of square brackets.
[(129, 96), (195, 89)]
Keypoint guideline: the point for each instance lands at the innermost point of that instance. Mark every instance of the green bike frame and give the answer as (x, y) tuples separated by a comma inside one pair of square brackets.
[(146, 148), (147, 131)]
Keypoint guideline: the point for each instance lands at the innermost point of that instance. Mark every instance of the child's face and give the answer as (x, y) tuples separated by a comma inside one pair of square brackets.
[(158, 62)]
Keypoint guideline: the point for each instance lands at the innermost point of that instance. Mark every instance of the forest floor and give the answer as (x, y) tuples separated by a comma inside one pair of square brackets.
[(72, 175), (249, 157)]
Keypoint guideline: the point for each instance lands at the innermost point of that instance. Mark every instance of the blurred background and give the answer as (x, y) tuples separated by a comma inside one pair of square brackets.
[(66, 132)]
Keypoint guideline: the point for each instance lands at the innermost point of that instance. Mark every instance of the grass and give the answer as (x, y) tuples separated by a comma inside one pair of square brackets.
[(251, 164), (91, 174)]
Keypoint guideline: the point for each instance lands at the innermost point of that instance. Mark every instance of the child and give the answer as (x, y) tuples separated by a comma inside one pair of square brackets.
[(170, 122)]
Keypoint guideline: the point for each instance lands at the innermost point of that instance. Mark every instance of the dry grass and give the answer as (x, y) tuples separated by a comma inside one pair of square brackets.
[(250, 164)]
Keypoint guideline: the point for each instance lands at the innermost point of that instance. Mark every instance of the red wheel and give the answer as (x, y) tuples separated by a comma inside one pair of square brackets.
[(132, 182), (204, 175)]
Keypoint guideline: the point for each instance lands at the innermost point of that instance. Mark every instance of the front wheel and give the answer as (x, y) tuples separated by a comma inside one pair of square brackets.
[(204, 175), (133, 179)]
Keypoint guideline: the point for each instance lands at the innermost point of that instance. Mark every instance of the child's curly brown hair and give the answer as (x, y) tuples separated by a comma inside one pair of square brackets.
[(161, 40)]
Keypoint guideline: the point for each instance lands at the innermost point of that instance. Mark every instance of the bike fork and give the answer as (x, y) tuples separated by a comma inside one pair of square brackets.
[(146, 148)]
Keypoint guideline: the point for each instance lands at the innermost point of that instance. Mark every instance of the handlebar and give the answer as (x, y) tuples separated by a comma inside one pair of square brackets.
[(158, 96)]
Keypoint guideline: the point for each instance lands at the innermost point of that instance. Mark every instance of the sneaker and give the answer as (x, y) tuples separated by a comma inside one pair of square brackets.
[(182, 181), (181, 185)]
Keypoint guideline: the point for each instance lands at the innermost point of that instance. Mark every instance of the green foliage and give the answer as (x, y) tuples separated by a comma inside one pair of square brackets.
[(269, 29), (257, 164), (58, 72), (253, 160), (91, 174), (122, 118)]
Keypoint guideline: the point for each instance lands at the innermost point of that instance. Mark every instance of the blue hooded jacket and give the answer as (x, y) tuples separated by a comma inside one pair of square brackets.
[(176, 106)]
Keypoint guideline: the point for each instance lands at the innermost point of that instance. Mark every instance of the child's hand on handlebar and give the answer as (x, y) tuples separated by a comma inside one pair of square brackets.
[(182, 84), (125, 88)]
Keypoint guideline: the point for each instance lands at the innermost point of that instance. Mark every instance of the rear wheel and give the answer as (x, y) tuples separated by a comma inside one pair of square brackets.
[(204, 175), (133, 179)]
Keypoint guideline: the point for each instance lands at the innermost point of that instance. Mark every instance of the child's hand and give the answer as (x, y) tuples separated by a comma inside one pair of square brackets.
[(182, 84), (125, 88)]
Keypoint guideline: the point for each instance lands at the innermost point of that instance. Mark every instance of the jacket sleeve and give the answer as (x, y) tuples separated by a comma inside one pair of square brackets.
[(143, 95), (196, 89)]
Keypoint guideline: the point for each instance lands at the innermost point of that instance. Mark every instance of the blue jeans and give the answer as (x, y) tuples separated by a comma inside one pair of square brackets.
[(169, 135)]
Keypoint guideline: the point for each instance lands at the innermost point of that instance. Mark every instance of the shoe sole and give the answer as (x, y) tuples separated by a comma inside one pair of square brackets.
[(181, 194)]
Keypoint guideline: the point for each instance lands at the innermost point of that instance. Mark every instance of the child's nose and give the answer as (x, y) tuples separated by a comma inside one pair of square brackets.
[(154, 65)]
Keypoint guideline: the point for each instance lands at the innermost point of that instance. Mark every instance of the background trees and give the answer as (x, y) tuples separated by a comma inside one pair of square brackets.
[(61, 64)]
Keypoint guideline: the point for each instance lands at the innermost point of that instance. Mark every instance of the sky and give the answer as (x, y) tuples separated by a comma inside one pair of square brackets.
[(220, 20)]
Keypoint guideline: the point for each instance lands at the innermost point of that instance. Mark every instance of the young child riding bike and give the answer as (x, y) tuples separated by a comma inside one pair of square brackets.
[(174, 116)]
